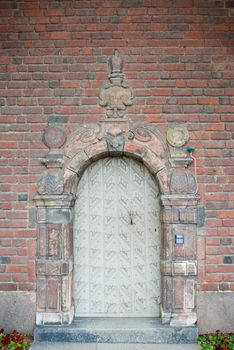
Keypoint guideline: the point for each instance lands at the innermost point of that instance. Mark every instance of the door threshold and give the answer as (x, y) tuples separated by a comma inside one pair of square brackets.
[(142, 330)]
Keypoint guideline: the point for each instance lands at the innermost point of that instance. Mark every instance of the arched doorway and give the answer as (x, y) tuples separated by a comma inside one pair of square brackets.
[(117, 241), (112, 141)]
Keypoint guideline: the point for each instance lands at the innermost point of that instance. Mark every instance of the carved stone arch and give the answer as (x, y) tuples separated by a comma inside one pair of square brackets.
[(142, 142)]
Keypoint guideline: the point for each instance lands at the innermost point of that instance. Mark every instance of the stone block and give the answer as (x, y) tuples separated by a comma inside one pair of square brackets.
[(163, 180), (186, 319), (188, 215), (180, 268), (70, 181), (180, 200), (66, 293), (190, 294), (188, 249), (42, 240), (54, 267), (215, 311), (167, 293), (58, 215), (53, 201), (54, 232), (79, 162), (192, 268), (53, 294), (97, 150), (44, 318), (18, 311), (133, 150), (41, 293), (166, 268), (152, 161), (166, 242), (179, 292), (200, 216)]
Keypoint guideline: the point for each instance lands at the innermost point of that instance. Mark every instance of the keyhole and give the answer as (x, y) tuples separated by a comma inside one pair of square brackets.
[(131, 217)]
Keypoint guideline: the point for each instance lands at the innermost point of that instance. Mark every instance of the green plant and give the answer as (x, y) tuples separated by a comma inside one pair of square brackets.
[(13, 341), (217, 341)]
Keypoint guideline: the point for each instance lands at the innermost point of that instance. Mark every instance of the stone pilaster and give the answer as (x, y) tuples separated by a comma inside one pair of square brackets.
[(179, 264), (179, 236), (54, 259)]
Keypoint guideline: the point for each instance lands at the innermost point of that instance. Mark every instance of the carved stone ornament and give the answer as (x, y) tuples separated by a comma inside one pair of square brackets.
[(115, 139), (116, 95), (177, 135), (54, 137), (182, 182), (51, 183)]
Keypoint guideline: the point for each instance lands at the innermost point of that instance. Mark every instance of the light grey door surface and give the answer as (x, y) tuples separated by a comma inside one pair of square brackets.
[(117, 241)]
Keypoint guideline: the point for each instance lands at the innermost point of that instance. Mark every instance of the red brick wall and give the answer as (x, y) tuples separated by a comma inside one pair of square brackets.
[(179, 60)]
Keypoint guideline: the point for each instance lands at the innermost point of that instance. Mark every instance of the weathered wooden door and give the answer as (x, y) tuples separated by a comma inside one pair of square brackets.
[(117, 241)]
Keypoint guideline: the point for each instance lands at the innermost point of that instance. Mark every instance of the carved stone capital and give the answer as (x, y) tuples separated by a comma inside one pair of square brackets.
[(51, 182), (54, 201), (182, 182), (180, 200)]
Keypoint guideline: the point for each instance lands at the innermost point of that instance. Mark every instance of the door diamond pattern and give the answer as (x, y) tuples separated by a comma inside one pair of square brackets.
[(117, 241)]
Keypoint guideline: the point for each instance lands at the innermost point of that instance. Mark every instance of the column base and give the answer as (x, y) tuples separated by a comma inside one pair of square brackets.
[(43, 318), (165, 316), (185, 319)]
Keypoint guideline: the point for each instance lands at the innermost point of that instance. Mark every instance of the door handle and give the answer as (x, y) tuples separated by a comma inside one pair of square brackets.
[(131, 216)]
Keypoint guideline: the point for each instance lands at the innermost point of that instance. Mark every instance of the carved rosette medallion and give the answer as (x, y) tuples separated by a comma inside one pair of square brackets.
[(177, 135), (116, 95)]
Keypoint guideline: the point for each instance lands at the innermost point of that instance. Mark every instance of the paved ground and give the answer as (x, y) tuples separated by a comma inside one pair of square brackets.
[(99, 346)]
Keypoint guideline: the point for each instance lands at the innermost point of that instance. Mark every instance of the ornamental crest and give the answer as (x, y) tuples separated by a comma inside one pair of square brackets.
[(116, 95)]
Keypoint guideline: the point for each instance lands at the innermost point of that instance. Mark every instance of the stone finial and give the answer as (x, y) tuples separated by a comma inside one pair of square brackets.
[(182, 180), (116, 95), (54, 137), (116, 63), (51, 181)]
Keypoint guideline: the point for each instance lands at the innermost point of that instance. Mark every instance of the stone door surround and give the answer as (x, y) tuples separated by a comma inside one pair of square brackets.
[(65, 163)]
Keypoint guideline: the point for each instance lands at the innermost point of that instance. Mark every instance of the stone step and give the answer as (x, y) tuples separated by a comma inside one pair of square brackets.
[(147, 330), (100, 346)]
